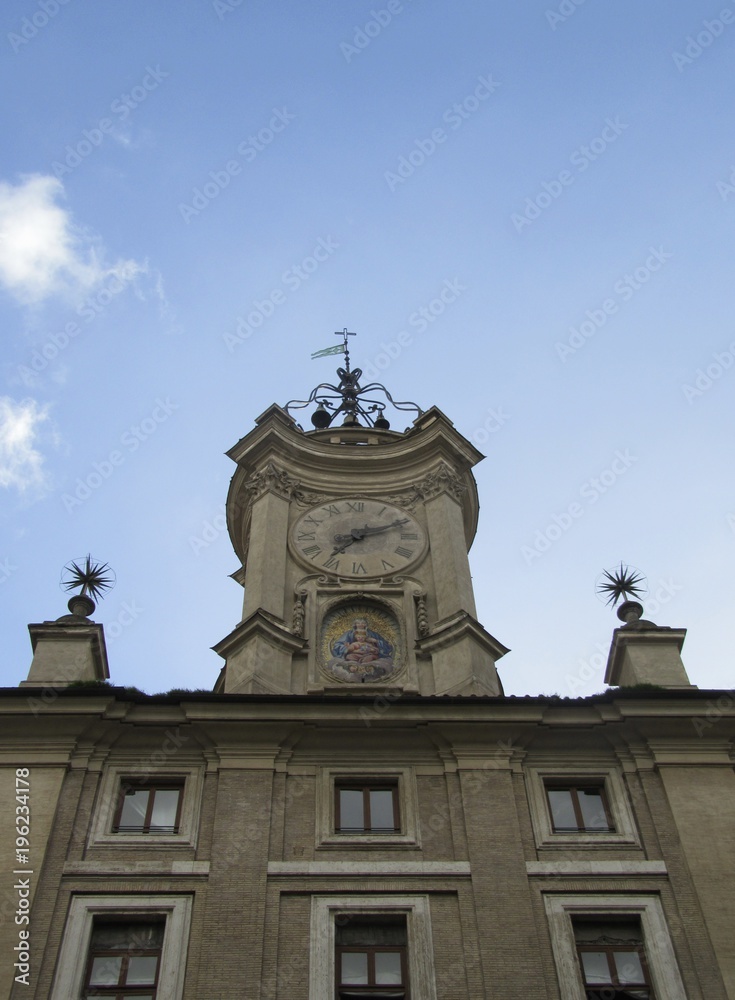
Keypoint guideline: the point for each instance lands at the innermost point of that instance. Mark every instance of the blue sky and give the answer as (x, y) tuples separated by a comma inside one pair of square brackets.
[(169, 171)]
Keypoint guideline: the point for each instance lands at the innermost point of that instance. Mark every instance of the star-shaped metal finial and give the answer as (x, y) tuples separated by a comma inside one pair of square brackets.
[(624, 582), (95, 578)]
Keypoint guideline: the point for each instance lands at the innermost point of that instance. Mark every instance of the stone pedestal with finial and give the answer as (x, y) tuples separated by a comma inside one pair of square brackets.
[(642, 652), (70, 649)]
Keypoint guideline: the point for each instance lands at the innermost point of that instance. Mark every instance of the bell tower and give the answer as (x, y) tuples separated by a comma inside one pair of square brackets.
[(353, 542)]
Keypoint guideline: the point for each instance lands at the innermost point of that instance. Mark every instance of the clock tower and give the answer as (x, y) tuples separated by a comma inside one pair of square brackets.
[(353, 542)]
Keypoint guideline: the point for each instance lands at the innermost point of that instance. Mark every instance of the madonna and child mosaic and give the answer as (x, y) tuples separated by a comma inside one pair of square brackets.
[(360, 643)]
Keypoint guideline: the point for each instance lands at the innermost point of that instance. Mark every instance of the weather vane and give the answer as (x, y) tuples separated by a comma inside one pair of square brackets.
[(625, 582), (94, 579), (337, 348), (349, 397)]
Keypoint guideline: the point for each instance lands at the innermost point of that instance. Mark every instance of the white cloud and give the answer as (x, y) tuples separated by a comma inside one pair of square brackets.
[(21, 464), (43, 253)]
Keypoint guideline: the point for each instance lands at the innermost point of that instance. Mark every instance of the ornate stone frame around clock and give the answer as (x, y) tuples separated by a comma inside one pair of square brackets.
[(443, 478)]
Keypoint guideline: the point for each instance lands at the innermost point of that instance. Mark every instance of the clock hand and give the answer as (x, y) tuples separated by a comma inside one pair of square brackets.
[(383, 527), (357, 534), (344, 540)]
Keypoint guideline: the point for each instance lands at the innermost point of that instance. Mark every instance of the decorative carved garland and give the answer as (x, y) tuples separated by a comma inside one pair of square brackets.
[(442, 479)]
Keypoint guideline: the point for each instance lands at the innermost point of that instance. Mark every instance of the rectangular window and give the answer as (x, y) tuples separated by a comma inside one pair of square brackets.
[(578, 808), (124, 959), (612, 959), (370, 960), (612, 946), (366, 807), (150, 807)]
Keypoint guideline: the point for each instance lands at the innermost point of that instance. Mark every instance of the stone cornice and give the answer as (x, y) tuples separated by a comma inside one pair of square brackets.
[(597, 869), (449, 631), (374, 869), (266, 625), (138, 869)]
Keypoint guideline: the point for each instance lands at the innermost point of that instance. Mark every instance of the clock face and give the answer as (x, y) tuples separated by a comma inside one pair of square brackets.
[(358, 538)]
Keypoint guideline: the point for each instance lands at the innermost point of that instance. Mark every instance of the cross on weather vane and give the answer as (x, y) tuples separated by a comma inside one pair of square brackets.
[(345, 335)]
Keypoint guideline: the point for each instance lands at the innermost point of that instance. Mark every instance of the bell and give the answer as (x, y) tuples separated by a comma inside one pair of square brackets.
[(382, 423), (321, 418)]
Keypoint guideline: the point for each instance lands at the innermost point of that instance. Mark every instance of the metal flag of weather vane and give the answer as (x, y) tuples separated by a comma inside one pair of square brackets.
[(349, 398)]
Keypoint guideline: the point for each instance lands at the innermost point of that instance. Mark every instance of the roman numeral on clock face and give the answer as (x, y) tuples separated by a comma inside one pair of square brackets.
[(358, 538)]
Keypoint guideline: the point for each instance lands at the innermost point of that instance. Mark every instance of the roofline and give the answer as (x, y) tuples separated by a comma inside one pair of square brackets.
[(129, 694)]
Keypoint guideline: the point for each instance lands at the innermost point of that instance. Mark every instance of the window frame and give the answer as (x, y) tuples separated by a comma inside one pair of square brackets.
[(661, 964), (107, 805), (608, 777), (325, 909), (330, 838), (371, 987), (367, 786), (73, 958), (609, 951), (154, 785), (574, 787), (115, 991)]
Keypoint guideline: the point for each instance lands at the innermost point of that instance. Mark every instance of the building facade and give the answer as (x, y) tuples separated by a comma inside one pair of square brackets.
[(356, 810)]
